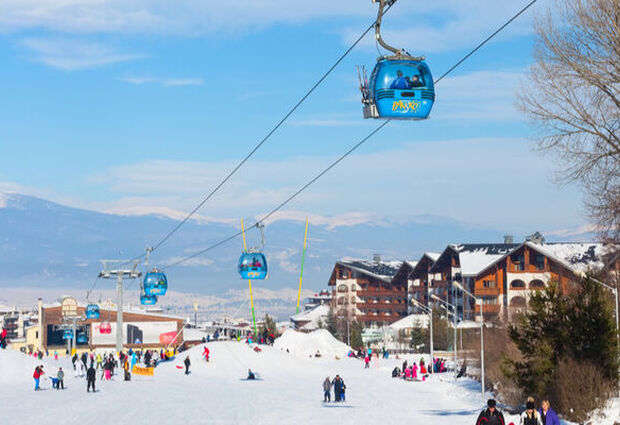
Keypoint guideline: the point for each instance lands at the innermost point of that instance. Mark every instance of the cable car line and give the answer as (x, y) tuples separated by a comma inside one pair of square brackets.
[(456, 65), (351, 150), (265, 139), (332, 165)]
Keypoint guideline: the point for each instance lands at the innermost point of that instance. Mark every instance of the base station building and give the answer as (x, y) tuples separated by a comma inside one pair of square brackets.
[(141, 329)]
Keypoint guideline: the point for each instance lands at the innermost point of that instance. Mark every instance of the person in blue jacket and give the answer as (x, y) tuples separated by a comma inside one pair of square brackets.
[(547, 415), (400, 82)]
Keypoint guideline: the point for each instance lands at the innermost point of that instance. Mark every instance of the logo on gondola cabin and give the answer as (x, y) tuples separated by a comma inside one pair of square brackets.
[(406, 106)]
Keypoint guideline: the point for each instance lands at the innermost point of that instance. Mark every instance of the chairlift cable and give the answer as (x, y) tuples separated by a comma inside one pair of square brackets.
[(351, 150), (265, 139)]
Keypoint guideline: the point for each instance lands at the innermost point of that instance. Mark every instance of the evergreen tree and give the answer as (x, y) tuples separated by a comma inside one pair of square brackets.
[(578, 327), (356, 334), (331, 323), (419, 336), (268, 327), (440, 331)]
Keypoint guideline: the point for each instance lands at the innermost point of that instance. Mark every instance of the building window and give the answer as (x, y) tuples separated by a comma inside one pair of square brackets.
[(517, 284), (539, 262), (518, 262), (537, 284), (488, 283)]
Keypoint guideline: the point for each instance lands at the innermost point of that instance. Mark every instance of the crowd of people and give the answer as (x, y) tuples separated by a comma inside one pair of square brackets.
[(544, 415)]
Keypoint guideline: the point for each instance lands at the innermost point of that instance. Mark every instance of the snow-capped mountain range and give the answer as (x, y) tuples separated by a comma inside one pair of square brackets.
[(47, 245)]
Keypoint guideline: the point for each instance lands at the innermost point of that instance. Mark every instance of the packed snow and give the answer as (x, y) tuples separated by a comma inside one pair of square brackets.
[(308, 344), (289, 391)]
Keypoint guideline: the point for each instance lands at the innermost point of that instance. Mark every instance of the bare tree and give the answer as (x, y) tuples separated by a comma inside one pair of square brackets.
[(572, 96)]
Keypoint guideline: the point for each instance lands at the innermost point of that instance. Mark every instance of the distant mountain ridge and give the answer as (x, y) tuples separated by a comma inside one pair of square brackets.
[(45, 244)]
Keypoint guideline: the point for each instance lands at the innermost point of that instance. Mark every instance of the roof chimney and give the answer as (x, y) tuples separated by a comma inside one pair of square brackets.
[(508, 239), (376, 257)]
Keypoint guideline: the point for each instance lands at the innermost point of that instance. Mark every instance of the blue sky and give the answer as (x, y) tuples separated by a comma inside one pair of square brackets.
[(138, 106)]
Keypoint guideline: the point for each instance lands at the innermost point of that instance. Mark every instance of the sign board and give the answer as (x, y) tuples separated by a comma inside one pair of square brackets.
[(69, 307), (146, 371)]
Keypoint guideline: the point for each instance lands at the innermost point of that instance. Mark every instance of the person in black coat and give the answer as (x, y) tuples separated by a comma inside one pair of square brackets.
[(90, 378), (490, 415), (187, 364), (339, 388)]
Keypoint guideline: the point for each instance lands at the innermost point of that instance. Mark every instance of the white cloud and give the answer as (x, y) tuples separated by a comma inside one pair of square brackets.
[(463, 178), (70, 55), (422, 27), (164, 81), (478, 96)]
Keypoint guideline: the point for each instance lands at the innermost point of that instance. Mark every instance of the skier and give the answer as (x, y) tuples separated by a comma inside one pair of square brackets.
[(547, 415), (3, 338), (251, 374), (90, 379), (38, 371), (205, 353), (60, 376), (531, 415), (187, 364), (73, 360), (366, 362), (414, 371), (55, 355), (327, 386), (490, 415), (99, 361)]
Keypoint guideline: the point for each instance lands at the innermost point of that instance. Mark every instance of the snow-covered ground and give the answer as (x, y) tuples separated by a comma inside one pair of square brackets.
[(289, 391)]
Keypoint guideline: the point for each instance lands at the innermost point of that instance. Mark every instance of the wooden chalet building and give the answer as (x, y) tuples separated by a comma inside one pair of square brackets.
[(419, 279), (507, 284), (501, 275), (364, 290)]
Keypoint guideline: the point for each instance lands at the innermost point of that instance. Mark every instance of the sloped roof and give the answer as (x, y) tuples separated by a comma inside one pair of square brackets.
[(473, 258), (420, 320), (433, 255), (579, 257), (575, 256), (383, 270), (312, 316)]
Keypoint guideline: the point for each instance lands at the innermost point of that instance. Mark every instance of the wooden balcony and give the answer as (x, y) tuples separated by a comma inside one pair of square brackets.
[(488, 308), (481, 291), (378, 318), (440, 283), (381, 293), (381, 306)]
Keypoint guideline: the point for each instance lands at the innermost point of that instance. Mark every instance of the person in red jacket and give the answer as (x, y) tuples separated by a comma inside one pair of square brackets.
[(206, 353), (38, 371)]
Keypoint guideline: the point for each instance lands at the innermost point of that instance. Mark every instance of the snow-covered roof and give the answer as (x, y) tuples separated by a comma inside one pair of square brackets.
[(578, 257), (419, 320), (433, 255), (311, 316), (411, 263), (383, 270), (474, 258)]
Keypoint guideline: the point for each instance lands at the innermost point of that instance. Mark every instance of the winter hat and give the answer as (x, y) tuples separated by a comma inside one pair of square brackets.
[(491, 403), (529, 405)]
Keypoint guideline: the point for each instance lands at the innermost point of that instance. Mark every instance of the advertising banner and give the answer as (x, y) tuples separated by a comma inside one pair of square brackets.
[(134, 332), (146, 371)]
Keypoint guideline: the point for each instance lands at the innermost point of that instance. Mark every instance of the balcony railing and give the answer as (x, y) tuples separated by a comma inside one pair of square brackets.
[(482, 291), (488, 308)]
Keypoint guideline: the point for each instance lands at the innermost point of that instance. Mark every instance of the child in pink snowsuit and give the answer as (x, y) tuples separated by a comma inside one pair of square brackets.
[(414, 371), (407, 374)]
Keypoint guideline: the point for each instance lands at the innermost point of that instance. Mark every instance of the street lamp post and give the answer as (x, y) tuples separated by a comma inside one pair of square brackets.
[(446, 305), (479, 302), (429, 311)]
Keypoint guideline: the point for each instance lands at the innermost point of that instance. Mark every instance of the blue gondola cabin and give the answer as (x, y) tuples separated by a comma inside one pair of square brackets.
[(155, 283), (399, 89), (253, 265)]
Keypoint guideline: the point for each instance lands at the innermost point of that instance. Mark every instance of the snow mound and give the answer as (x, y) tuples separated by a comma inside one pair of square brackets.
[(307, 344)]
